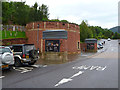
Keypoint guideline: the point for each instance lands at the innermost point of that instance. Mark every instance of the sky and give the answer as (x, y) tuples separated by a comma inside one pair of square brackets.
[(102, 13)]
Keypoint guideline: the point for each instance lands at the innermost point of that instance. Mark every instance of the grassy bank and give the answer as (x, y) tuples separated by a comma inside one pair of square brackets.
[(12, 34)]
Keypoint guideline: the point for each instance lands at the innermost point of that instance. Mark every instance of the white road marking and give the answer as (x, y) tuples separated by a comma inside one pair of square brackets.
[(101, 68), (13, 67), (2, 77), (93, 67), (44, 65), (36, 66), (26, 71), (84, 55), (29, 68), (84, 67), (65, 80), (77, 74), (23, 69)]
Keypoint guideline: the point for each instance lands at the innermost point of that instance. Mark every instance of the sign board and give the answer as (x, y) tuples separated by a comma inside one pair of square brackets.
[(90, 40), (55, 34)]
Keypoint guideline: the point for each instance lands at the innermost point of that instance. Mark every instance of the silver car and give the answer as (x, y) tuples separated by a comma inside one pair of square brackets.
[(6, 58)]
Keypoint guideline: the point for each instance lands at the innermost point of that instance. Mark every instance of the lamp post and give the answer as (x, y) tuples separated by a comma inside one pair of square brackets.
[(38, 36)]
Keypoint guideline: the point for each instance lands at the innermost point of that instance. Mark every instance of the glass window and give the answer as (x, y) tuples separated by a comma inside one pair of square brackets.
[(52, 46), (90, 46), (29, 47), (78, 45), (17, 48), (3, 50)]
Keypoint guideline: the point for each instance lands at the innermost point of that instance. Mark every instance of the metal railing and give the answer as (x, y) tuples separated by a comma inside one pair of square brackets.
[(12, 27)]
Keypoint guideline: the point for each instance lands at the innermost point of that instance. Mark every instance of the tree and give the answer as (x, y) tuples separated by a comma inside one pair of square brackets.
[(19, 13), (108, 33), (116, 36), (83, 31), (44, 11), (5, 12), (89, 33)]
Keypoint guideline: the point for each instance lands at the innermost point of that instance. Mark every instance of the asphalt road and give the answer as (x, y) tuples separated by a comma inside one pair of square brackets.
[(98, 71)]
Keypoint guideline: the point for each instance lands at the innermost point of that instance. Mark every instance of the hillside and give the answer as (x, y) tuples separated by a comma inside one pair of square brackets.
[(115, 29)]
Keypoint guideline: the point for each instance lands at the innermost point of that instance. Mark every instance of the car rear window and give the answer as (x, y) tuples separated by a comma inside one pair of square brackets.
[(17, 48), (3, 50), (29, 47)]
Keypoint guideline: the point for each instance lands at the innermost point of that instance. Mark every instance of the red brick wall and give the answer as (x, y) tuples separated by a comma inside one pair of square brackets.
[(95, 45), (69, 45), (83, 46), (14, 41), (32, 37), (52, 25)]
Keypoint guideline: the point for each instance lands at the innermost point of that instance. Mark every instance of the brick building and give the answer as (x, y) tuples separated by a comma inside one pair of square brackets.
[(54, 36)]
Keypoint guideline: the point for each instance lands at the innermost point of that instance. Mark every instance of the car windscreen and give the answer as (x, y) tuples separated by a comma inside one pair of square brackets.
[(3, 50), (29, 47), (17, 48)]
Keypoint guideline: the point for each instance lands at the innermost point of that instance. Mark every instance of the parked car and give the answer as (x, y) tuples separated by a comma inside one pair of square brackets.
[(109, 39), (100, 46), (6, 58), (103, 42), (24, 53)]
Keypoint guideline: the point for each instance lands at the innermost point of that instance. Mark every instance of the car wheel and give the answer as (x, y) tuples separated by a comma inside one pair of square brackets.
[(32, 62), (10, 68), (17, 62), (33, 54)]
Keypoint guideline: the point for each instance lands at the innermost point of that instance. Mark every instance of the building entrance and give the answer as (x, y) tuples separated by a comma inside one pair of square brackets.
[(52, 45)]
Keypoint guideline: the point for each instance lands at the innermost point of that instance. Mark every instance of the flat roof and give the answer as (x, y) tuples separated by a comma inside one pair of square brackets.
[(20, 44), (54, 31), (90, 39), (55, 34)]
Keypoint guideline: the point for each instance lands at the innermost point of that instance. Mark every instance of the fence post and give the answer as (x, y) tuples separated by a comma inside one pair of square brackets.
[(1, 27), (13, 28)]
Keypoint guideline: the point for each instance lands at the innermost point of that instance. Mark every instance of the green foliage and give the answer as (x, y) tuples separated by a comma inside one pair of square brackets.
[(65, 21), (116, 36), (20, 13), (85, 31), (97, 32), (12, 34), (57, 20)]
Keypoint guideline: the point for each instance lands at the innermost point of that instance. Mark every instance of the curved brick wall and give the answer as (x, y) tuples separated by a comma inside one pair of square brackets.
[(73, 34)]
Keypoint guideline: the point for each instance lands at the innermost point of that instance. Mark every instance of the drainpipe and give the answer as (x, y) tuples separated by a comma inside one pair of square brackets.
[(38, 37)]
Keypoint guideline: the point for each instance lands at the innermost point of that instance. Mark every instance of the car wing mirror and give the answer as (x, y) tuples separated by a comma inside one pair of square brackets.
[(12, 50)]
